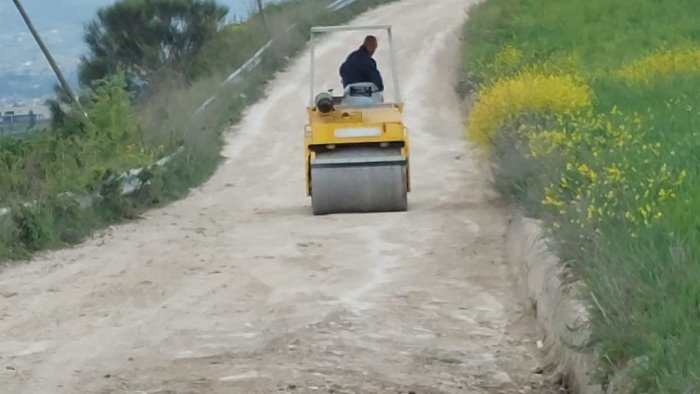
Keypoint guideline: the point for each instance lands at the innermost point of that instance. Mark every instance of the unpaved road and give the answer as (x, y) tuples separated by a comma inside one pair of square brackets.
[(239, 289)]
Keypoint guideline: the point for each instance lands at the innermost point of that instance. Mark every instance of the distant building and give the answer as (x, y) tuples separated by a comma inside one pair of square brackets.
[(17, 117), (8, 117), (21, 118), (11, 117)]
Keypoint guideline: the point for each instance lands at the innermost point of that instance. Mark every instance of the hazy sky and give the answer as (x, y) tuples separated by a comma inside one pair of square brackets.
[(48, 14)]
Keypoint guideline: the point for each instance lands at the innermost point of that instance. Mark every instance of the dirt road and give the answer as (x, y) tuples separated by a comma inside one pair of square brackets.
[(239, 289)]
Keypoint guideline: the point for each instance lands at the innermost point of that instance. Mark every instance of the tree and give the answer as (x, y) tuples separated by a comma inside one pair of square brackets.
[(261, 11), (144, 37)]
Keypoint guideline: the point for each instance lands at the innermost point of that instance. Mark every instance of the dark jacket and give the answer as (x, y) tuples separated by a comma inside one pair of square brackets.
[(360, 67)]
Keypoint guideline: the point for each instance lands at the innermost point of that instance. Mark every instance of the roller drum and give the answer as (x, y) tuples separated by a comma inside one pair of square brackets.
[(359, 181)]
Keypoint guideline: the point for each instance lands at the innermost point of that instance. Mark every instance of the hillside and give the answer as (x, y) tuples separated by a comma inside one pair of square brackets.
[(591, 111)]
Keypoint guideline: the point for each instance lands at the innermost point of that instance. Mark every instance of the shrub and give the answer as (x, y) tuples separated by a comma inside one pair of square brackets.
[(525, 93), (615, 178)]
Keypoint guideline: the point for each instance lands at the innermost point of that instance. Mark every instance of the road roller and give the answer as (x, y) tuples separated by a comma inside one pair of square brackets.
[(356, 145)]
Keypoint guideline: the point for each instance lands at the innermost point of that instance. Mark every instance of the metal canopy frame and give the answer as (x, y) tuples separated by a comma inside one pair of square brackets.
[(332, 29)]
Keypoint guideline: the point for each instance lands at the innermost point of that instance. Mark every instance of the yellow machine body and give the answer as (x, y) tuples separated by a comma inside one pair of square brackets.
[(324, 131)]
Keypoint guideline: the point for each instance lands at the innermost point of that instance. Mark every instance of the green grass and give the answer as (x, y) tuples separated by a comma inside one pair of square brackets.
[(603, 34), (82, 157), (645, 278)]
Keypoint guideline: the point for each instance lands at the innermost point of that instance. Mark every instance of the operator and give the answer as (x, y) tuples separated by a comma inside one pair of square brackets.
[(360, 67)]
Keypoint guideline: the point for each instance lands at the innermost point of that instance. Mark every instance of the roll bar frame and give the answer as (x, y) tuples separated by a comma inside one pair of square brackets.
[(332, 29)]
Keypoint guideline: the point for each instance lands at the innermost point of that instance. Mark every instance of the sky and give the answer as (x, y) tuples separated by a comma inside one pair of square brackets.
[(60, 23)]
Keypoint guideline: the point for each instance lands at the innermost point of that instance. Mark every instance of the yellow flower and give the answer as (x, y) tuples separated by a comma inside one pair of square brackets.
[(591, 212), (550, 200), (545, 142), (587, 172), (525, 92), (508, 59), (681, 178), (660, 65), (613, 173)]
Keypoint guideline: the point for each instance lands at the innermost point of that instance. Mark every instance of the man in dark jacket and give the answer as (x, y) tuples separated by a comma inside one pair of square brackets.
[(360, 67)]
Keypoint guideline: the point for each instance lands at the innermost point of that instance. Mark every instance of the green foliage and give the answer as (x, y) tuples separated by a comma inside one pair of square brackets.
[(603, 34), (76, 157), (145, 37), (44, 224), (633, 241)]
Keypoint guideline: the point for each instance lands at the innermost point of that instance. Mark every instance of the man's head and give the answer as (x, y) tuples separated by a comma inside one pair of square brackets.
[(370, 44)]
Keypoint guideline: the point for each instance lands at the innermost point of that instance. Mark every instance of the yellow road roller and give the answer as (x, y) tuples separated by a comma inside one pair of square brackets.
[(356, 145)]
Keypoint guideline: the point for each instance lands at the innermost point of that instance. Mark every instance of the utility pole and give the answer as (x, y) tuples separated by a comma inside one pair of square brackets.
[(261, 11), (47, 54)]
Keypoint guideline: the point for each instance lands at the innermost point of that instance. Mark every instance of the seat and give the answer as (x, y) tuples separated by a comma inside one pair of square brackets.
[(363, 94)]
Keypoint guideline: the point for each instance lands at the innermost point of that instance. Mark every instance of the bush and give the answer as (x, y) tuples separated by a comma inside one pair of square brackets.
[(77, 156)]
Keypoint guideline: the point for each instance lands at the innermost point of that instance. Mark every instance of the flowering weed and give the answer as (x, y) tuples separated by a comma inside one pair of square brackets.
[(525, 93), (604, 148)]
